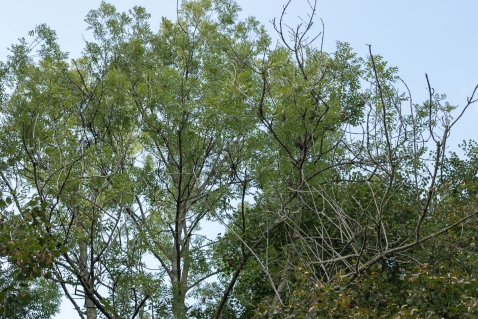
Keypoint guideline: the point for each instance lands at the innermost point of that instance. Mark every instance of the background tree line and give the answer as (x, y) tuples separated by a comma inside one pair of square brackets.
[(336, 192)]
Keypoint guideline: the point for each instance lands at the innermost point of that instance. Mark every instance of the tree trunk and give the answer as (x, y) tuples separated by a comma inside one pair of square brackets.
[(89, 305)]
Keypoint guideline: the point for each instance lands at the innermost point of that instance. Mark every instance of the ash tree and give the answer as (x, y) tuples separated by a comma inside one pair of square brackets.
[(328, 181)]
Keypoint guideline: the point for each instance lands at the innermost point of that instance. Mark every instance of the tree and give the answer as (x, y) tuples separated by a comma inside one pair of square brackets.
[(123, 149), (372, 193), (376, 199), (124, 152)]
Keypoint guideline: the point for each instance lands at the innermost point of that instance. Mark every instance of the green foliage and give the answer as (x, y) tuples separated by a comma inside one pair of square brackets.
[(35, 299), (119, 156), (385, 291)]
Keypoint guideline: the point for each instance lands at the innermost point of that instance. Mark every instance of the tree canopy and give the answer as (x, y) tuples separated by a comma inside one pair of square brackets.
[(336, 193)]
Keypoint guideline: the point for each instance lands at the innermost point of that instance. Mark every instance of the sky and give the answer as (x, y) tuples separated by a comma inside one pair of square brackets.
[(434, 37)]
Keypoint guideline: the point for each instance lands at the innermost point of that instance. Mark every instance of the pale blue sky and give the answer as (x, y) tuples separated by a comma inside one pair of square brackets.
[(418, 36)]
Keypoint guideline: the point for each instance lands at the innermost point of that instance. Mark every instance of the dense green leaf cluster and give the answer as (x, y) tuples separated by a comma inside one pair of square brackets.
[(35, 299)]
